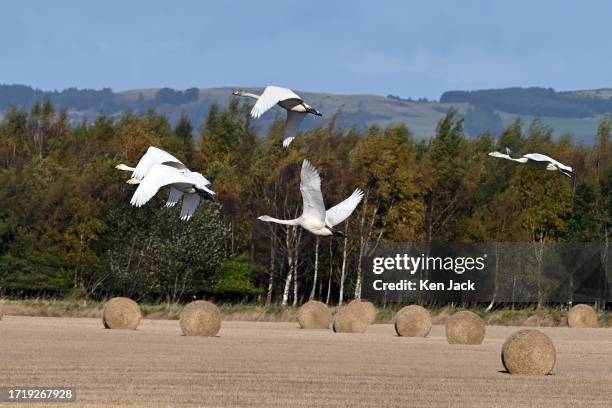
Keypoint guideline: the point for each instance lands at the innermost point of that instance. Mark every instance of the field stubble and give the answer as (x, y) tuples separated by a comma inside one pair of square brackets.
[(276, 364)]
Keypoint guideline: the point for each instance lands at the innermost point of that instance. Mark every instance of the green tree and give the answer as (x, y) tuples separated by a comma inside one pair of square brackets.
[(184, 131), (236, 278)]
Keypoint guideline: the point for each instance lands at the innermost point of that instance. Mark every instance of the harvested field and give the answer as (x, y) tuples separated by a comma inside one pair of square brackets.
[(278, 365)]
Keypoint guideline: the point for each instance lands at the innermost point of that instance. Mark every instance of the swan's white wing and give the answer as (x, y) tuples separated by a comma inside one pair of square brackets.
[(543, 158), (270, 97), (538, 157), (310, 186), (291, 127), (159, 176), (152, 157), (197, 179), (174, 197), (342, 211), (190, 205)]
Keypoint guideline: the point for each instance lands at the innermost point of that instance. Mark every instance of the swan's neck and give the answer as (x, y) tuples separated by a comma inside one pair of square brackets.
[(295, 221), (252, 95), (123, 167), (508, 157)]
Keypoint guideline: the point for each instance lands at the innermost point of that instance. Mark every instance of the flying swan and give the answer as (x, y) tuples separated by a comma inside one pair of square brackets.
[(295, 106), (536, 160), (157, 169), (314, 218)]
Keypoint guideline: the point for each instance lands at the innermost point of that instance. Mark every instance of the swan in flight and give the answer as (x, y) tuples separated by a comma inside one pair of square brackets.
[(295, 106), (537, 160), (314, 218), (157, 169), (152, 157)]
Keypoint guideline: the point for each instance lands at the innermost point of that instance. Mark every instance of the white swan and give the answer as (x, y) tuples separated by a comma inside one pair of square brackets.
[(314, 218), (537, 160), (152, 157), (157, 169), (189, 185), (295, 106)]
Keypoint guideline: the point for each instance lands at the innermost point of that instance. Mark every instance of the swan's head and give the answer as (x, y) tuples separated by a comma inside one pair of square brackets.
[(567, 170), (238, 93), (133, 181), (264, 218), (313, 111), (341, 234), (210, 196), (337, 233), (205, 192), (497, 154)]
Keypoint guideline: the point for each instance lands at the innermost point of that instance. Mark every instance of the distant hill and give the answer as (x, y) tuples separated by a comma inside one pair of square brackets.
[(536, 101), (575, 112)]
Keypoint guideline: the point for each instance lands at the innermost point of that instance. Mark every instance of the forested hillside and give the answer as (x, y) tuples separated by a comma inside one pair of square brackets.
[(66, 226), (534, 101)]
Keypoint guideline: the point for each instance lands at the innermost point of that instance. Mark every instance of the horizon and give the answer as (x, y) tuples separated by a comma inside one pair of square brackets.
[(247, 87), (408, 50)]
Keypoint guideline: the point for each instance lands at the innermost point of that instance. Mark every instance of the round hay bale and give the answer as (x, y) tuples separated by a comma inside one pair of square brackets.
[(528, 351), (582, 316), (465, 327), (200, 318), (413, 321), (121, 313), (366, 310), (314, 315), (348, 320)]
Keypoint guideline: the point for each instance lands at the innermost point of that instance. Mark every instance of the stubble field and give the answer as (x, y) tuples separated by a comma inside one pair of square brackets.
[(258, 364)]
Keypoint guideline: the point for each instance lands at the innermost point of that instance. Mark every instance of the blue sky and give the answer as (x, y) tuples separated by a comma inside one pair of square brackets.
[(350, 47)]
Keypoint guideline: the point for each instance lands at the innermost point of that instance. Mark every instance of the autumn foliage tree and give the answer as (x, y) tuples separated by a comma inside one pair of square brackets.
[(66, 224)]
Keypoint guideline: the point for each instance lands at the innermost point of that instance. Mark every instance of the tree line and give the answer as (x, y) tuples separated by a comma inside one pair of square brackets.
[(67, 228), (104, 101), (533, 101)]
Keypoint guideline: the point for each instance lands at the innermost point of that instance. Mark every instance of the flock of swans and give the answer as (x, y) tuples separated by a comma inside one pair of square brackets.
[(157, 169)]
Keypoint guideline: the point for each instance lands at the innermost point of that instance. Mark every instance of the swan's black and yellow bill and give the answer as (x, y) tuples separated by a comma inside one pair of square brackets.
[(337, 232)]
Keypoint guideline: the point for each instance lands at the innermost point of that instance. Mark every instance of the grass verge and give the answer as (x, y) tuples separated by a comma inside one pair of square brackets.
[(530, 316)]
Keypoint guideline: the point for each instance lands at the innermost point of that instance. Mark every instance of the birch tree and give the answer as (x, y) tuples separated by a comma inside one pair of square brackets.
[(384, 167)]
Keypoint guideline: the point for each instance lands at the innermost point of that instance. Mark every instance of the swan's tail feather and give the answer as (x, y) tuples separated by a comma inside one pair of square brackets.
[(288, 141)]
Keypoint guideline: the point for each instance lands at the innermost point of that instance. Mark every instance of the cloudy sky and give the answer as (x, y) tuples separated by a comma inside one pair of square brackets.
[(349, 47)]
